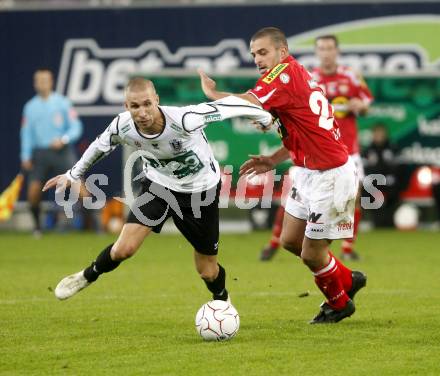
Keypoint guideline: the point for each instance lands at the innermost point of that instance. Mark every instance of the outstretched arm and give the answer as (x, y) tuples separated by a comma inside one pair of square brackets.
[(209, 88), (259, 164), (228, 107)]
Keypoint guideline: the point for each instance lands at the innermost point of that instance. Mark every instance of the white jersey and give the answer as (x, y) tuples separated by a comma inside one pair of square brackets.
[(180, 157)]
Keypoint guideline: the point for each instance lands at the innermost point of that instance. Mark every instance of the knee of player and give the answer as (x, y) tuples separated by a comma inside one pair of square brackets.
[(123, 251), (290, 245), (310, 259)]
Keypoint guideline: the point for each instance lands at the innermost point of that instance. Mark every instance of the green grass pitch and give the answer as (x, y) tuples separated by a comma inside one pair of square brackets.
[(139, 319)]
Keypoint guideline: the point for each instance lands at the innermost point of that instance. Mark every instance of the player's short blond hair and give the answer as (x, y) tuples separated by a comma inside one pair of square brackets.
[(138, 84), (277, 36)]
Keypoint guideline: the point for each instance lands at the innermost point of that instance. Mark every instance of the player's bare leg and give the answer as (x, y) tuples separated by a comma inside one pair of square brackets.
[(34, 199), (347, 246), (292, 236), (129, 241), (213, 274)]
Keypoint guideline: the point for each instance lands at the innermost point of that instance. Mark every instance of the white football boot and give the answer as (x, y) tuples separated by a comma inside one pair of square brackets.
[(70, 285)]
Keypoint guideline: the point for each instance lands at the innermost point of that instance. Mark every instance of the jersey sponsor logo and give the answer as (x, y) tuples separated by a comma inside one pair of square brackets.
[(275, 72), (285, 78), (340, 105), (180, 166), (138, 144), (212, 117)]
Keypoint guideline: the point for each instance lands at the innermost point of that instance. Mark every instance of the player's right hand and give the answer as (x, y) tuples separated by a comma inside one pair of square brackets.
[(60, 182), (208, 84), (27, 165), (258, 164)]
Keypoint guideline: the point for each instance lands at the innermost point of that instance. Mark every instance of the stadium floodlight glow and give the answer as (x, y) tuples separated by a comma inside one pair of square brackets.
[(424, 176)]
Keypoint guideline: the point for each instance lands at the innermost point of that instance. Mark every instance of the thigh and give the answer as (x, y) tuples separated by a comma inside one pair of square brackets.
[(202, 231), (332, 195), (149, 210), (296, 202)]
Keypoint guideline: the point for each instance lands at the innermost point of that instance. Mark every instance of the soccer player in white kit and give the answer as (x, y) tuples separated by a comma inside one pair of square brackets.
[(182, 179)]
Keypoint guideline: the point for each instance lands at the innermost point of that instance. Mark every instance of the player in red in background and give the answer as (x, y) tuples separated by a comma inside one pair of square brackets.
[(321, 205), (349, 94)]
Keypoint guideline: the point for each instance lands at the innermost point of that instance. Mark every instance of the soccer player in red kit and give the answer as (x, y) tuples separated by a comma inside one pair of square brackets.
[(349, 94), (321, 205)]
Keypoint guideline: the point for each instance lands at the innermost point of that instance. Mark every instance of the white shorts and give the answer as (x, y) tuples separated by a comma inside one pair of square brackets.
[(359, 165), (325, 199)]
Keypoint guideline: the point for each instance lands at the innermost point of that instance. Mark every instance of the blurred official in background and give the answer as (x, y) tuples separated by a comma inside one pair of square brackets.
[(49, 128)]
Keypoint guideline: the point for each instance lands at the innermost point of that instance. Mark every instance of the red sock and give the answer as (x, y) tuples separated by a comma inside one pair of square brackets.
[(329, 281), (348, 244), (277, 228), (346, 276)]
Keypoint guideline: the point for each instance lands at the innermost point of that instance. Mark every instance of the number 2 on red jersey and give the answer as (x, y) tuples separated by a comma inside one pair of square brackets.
[(319, 105)]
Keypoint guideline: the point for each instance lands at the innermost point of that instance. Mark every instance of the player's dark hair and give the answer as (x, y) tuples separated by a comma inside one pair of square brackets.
[(333, 37), (138, 83), (277, 35)]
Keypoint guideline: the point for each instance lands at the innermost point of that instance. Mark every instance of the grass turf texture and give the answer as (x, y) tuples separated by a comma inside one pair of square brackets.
[(139, 319)]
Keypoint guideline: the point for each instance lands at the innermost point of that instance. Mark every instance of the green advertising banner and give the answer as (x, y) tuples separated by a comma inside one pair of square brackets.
[(408, 106)]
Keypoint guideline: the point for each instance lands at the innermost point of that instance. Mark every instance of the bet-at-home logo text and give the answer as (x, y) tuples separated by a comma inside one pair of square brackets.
[(94, 77), (181, 165)]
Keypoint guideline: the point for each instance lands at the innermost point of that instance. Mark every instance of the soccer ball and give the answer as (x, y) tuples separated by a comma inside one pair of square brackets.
[(217, 320)]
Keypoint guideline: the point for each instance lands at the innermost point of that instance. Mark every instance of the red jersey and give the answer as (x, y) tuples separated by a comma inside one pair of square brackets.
[(307, 127), (339, 88)]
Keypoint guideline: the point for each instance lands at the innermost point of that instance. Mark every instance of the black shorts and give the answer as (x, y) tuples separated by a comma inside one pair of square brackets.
[(196, 215), (48, 163)]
